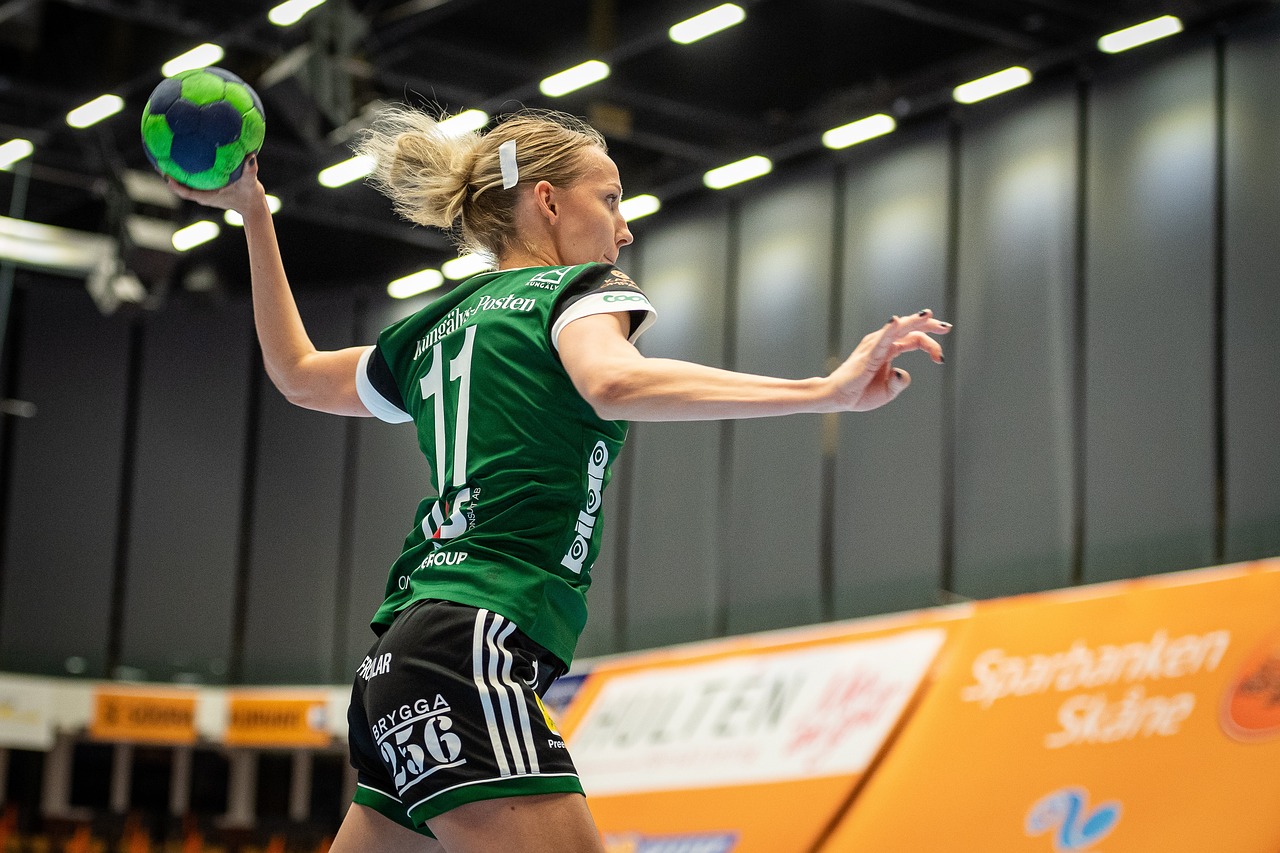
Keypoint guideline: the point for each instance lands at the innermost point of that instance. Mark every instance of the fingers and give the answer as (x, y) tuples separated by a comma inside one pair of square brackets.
[(904, 334), (918, 341), (922, 321), (228, 197)]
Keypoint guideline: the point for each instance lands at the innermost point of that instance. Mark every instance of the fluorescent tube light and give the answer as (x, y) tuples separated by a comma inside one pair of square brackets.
[(709, 22), (464, 266), (291, 11), (103, 106), (859, 131), (347, 171), (198, 57), (234, 218), (147, 232), (195, 234), (1140, 34), (50, 247), (637, 206), (14, 150), (992, 85), (572, 79), (737, 172), (412, 285), (464, 122)]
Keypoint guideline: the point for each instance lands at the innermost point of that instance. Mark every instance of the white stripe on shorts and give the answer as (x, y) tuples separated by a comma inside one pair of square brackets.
[(489, 652), (502, 691), (517, 693)]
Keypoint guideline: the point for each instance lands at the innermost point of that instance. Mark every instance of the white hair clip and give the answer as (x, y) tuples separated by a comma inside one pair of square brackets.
[(507, 160)]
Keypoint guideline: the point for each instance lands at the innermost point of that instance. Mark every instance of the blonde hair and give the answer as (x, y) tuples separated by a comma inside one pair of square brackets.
[(454, 181)]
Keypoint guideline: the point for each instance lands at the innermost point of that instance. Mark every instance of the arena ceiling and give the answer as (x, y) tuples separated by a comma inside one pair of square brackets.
[(770, 85)]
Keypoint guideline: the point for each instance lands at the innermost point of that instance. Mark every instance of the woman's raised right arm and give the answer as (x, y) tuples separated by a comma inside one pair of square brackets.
[(324, 380)]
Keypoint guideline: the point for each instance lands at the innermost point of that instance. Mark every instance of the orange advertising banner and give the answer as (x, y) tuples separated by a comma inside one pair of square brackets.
[(751, 745), (144, 715), (1128, 717), (277, 719)]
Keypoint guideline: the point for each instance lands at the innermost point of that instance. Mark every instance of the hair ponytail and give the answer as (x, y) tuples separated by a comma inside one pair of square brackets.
[(454, 181)]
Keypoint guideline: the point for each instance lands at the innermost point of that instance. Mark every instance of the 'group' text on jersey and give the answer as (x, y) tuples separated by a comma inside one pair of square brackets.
[(520, 460)]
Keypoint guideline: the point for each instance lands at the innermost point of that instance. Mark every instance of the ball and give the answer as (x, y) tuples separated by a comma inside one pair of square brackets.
[(199, 126)]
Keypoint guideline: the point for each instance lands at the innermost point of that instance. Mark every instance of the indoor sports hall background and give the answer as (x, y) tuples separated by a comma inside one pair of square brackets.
[(188, 564)]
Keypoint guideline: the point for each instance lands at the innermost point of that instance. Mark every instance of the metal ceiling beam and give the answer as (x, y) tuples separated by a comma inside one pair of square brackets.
[(955, 23), (1080, 10), (709, 120), (14, 8), (165, 16)]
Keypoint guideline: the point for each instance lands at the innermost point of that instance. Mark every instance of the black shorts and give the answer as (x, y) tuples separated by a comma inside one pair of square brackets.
[(446, 709)]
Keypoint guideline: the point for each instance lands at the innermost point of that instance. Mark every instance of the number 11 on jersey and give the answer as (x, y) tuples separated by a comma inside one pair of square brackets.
[(433, 388)]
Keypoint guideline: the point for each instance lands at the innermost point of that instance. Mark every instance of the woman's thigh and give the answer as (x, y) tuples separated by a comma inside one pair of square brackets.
[(540, 823)]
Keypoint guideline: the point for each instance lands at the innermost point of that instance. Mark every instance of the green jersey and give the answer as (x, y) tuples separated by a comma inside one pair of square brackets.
[(519, 459)]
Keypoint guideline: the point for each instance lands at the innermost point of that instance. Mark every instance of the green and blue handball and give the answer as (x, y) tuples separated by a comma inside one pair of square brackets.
[(200, 126)]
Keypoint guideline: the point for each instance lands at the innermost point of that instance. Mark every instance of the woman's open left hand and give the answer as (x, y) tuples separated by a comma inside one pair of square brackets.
[(867, 379)]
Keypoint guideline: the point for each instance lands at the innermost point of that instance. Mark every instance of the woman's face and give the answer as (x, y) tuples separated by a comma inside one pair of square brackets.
[(590, 227)]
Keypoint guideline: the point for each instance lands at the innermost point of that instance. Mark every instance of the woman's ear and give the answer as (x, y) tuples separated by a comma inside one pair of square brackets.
[(544, 201)]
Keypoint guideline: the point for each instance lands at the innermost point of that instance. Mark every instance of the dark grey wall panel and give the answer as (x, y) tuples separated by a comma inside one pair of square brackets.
[(392, 476), (772, 552), (1149, 333), (886, 529), (291, 598), (673, 547), (188, 491), (64, 485), (1015, 356), (1252, 259)]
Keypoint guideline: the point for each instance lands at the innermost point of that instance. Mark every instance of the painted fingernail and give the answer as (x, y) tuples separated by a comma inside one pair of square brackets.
[(897, 371), (942, 359), (924, 313), (944, 325)]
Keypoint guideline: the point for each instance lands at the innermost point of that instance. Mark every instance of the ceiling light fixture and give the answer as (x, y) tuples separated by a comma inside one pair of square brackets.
[(1140, 34), (198, 57), (234, 218), (13, 151), (637, 206), (465, 265), (415, 283), (464, 122), (737, 172), (101, 107), (195, 234), (709, 22), (572, 79), (347, 171), (291, 11), (992, 85), (859, 131)]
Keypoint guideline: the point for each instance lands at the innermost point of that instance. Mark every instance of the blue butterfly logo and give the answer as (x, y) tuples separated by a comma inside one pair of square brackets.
[(1067, 812)]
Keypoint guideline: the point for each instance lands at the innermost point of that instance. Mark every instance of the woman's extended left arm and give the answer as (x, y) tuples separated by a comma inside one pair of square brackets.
[(621, 383)]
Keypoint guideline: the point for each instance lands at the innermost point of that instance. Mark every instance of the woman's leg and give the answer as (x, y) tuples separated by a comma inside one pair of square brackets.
[(363, 830), (539, 823)]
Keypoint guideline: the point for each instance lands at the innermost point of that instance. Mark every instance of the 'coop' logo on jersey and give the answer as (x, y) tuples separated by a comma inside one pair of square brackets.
[(586, 525)]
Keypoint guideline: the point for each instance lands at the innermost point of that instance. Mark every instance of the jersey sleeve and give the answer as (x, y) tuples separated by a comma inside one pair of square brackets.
[(377, 388), (602, 290)]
